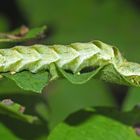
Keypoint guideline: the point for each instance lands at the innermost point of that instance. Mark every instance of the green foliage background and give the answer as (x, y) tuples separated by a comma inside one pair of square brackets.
[(112, 21)]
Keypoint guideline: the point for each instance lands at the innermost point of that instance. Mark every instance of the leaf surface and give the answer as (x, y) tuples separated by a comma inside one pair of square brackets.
[(101, 125), (29, 81)]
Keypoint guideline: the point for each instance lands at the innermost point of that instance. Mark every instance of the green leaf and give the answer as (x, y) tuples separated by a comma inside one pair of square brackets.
[(35, 33), (17, 36), (132, 99), (29, 81), (95, 125), (6, 134), (7, 86), (8, 107), (79, 78), (32, 130), (66, 98)]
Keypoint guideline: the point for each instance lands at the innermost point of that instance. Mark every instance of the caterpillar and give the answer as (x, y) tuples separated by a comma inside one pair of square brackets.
[(73, 57)]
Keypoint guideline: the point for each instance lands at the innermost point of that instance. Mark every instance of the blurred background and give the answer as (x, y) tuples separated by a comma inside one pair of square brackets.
[(115, 22)]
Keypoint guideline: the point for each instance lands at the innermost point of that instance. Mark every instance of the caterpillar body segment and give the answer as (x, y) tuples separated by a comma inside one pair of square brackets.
[(34, 58), (74, 57)]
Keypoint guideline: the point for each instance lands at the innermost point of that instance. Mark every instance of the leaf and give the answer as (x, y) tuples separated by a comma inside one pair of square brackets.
[(66, 98), (6, 134), (35, 33), (8, 107), (79, 78), (22, 35), (29, 81), (22, 128), (98, 124), (9, 87), (132, 99)]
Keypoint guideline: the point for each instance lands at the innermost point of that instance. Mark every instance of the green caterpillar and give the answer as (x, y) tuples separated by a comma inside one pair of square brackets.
[(74, 57)]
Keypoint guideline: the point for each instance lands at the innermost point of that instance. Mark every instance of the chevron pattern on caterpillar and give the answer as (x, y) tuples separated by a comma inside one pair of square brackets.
[(74, 57)]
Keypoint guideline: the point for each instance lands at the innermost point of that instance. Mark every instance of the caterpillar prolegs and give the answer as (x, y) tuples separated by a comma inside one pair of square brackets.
[(73, 57)]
